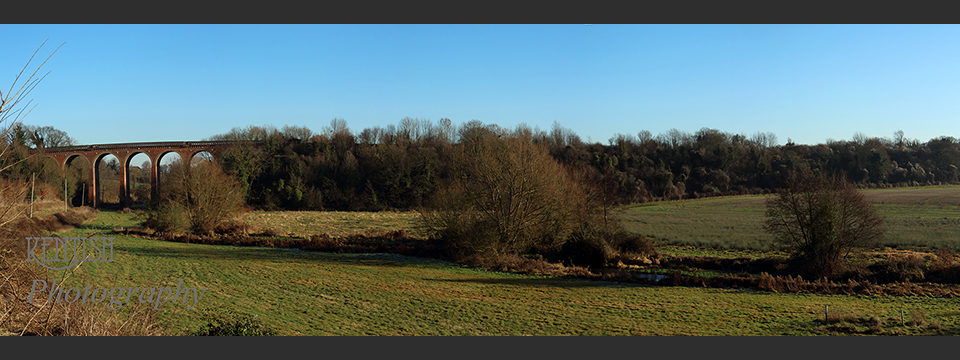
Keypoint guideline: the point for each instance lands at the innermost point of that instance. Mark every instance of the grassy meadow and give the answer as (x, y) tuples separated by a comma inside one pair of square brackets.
[(311, 293), (916, 218), (334, 223), (305, 293)]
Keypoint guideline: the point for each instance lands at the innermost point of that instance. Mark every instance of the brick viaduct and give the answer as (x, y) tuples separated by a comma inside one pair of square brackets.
[(126, 152)]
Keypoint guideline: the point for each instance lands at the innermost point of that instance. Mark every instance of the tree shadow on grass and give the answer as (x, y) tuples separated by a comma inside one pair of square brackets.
[(243, 253), (200, 251), (177, 250), (543, 281)]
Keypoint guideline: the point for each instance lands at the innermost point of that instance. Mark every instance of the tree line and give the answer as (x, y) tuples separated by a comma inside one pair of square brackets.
[(401, 166)]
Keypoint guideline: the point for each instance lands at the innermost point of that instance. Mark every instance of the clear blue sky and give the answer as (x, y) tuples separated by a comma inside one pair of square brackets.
[(808, 83)]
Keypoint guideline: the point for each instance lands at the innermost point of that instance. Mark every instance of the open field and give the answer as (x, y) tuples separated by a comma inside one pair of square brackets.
[(308, 293), (916, 218), (726, 227), (335, 223)]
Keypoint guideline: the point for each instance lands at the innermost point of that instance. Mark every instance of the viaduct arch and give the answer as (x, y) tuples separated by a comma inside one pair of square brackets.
[(125, 153)]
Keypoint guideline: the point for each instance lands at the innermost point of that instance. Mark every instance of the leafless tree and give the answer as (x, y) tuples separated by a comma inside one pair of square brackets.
[(764, 140), (859, 138), (302, 133), (509, 195), (249, 133), (12, 112), (47, 137), (898, 138), (821, 219), (197, 199)]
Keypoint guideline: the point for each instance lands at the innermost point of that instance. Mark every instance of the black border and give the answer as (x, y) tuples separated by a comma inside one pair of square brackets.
[(482, 12), (487, 12), (481, 347)]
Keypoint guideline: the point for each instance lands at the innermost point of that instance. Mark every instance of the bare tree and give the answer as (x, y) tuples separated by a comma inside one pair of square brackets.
[(675, 138), (11, 116), (508, 195), (197, 199), (41, 137), (764, 140), (859, 138), (249, 133), (898, 138), (821, 220), (337, 127), (301, 133)]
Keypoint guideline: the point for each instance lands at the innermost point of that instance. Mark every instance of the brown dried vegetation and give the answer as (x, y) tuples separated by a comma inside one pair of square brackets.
[(196, 199), (509, 197), (19, 317)]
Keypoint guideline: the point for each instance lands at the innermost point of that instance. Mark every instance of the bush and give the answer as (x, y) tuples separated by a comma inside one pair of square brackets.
[(235, 325), (197, 199), (520, 264), (899, 269), (944, 269), (594, 245), (633, 244), (169, 217), (585, 251)]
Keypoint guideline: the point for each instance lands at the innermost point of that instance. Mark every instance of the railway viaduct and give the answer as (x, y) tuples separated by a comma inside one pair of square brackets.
[(125, 153)]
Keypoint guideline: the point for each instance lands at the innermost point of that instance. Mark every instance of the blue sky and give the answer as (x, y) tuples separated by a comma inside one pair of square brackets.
[(808, 83)]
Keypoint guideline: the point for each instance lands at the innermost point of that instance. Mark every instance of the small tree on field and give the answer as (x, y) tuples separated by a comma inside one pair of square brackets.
[(197, 198), (508, 196), (821, 220)]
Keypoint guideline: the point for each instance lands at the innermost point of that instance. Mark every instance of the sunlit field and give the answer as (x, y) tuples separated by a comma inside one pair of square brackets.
[(335, 223), (312, 293), (916, 218)]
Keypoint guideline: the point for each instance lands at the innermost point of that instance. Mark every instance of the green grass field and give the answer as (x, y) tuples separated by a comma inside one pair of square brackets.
[(916, 218), (302, 293), (309, 293), (335, 223)]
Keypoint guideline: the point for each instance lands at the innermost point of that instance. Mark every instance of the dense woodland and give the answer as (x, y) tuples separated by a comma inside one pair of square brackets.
[(400, 166)]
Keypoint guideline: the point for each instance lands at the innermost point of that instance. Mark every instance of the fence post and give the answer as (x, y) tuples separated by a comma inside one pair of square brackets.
[(32, 194)]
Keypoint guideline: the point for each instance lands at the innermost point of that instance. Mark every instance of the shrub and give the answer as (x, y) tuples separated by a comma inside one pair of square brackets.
[(235, 325), (855, 271), (595, 245), (899, 269), (198, 198), (944, 269), (627, 243), (585, 251), (520, 264), (944, 258), (169, 217)]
